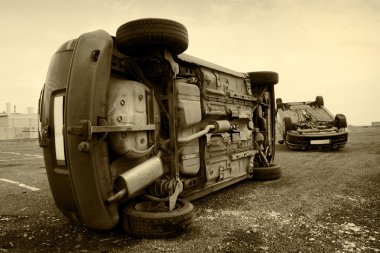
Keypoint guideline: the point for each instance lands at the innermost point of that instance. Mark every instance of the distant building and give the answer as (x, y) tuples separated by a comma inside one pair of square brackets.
[(8, 108), (19, 120), (18, 126), (376, 124), (30, 110)]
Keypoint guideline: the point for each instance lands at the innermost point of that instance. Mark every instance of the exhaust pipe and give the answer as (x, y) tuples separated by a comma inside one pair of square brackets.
[(137, 178)]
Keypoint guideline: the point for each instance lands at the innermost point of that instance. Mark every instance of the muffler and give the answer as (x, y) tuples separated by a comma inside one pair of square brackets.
[(137, 178)]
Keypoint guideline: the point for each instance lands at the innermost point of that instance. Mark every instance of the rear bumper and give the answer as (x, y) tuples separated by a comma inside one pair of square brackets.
[(80, 181), (298, 141)]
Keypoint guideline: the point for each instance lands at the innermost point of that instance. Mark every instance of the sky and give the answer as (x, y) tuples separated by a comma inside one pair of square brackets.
[(328, 48)]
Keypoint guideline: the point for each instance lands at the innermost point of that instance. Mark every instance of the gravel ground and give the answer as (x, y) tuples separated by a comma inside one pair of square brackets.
[(324, 202)]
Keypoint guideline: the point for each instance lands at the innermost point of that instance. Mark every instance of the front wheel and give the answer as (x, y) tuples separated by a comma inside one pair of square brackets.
[(288, 125), (278, 103), (148, 219), (319, 101), (340, 121)]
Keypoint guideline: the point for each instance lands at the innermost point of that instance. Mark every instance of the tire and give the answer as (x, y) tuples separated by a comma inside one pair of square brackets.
[(340, 121), (263, 78), (140, 222), (278, 103), (319, 101), (136, 37), (272, 172), (288, 124)]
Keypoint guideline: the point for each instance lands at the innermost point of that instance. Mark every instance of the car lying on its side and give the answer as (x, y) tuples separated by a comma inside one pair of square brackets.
[(132, 130), (309, 125)]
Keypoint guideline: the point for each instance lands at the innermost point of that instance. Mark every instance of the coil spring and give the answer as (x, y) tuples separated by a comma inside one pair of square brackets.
[(162, 187)]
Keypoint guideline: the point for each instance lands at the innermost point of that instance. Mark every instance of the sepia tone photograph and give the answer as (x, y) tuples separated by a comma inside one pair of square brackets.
[(190, 126)]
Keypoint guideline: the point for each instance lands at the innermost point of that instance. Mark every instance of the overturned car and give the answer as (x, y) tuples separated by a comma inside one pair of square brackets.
[(309, 125), (132, 130)]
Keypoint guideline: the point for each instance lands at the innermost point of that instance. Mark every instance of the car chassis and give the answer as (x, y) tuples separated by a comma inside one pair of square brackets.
[(132, 130)]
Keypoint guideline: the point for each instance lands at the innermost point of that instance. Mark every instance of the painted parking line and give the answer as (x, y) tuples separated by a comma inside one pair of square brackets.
[(28, 156), (20, 184), (19, 159), (15, 153)]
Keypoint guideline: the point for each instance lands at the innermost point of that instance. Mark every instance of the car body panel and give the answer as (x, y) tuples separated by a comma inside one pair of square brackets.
[(58, 174), (325, 141)]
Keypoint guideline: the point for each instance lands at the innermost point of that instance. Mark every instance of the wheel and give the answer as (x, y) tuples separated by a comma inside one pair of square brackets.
[(267, 173), (136, 37), (288, 124), (340, 121), (319, 101), (278, 103), (146, 219), (263, 78)]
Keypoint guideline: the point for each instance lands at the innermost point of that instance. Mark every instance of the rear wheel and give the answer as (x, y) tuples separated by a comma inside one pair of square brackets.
[(148, 219), (139, 37), (263, 77), (272, 172)]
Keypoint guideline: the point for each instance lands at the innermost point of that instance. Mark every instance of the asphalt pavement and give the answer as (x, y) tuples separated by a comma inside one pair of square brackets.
[(324, 202)]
